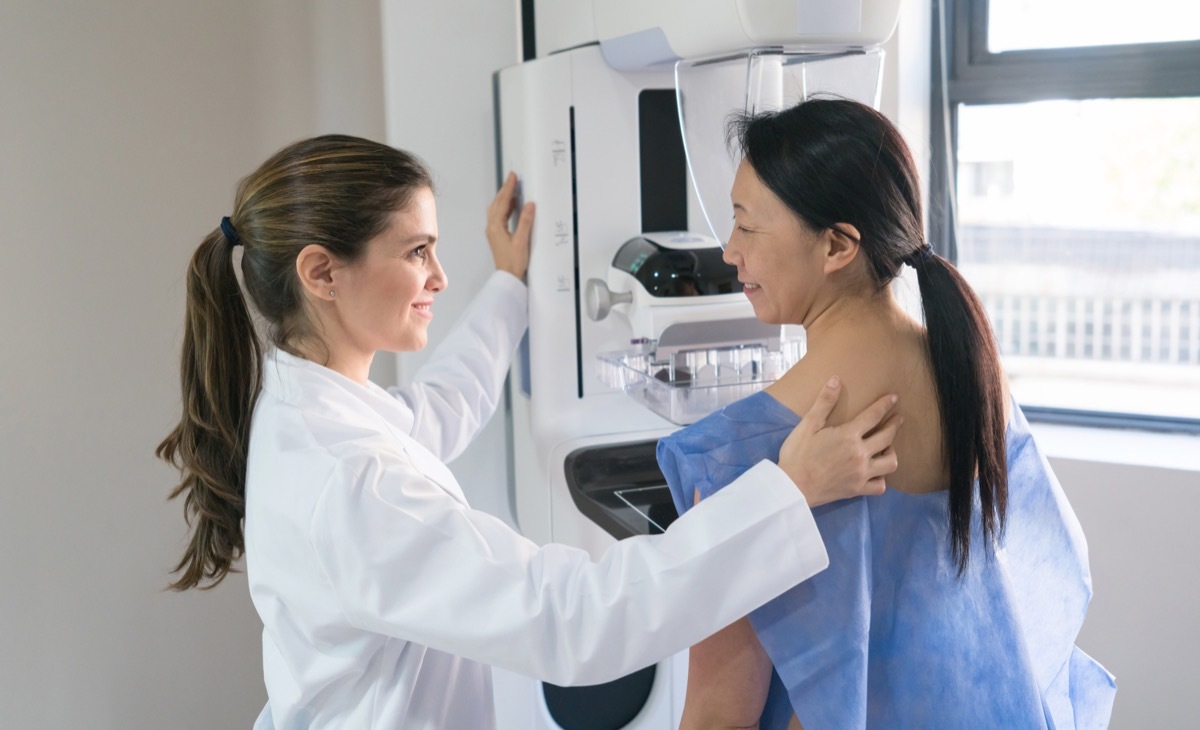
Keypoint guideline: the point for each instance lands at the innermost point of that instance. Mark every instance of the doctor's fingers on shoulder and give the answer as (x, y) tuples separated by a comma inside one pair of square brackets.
[(882, 459), (879, 467), (869, 419)]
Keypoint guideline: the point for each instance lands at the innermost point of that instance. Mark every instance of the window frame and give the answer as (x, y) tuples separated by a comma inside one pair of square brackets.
[(969, 73)]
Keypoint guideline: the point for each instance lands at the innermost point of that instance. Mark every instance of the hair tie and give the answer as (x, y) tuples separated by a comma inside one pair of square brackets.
[(230, 232), (919, 256)]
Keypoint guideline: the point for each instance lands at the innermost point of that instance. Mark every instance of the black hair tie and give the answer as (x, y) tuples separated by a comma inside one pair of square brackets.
[(919, 256), (230, 232)]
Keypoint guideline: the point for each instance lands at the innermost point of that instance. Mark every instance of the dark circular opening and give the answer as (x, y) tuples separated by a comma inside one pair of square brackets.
[(608, 706)]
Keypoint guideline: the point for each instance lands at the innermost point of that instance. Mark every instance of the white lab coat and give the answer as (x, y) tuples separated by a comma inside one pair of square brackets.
[(384, 596)]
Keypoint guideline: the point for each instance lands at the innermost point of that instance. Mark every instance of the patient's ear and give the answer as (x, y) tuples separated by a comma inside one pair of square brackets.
[(841, 246)]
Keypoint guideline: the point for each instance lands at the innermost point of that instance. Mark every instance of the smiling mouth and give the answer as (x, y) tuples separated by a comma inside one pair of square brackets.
[(747, 286)]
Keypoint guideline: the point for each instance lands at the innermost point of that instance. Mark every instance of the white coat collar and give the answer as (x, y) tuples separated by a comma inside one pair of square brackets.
[(316, 389)]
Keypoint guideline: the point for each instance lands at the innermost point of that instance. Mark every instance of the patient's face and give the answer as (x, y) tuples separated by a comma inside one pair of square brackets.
[(779, 259)]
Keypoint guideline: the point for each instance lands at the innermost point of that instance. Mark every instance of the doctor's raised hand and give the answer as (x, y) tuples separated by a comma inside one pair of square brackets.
[(385, 598), (510, 249)]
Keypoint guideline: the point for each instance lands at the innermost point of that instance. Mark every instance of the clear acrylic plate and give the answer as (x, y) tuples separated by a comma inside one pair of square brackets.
[(690, 384)]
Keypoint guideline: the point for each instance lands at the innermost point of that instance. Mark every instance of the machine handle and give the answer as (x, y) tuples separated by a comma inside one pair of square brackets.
[(600, 300)]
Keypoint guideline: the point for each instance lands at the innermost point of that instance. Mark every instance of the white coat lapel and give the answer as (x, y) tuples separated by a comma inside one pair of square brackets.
[(398, 419), (429, 465), (313, 386)]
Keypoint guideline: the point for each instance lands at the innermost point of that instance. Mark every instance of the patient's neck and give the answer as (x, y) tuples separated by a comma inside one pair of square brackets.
[(850, 317)]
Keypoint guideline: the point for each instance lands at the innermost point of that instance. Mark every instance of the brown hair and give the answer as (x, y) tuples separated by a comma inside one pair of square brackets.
[(833, 161), (334, 190)]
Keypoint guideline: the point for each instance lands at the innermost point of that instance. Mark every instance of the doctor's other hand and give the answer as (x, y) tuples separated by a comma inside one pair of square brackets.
[(510, 248), (829, 463)]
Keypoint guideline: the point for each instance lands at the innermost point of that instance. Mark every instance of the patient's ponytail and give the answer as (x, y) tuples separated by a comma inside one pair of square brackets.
[(966, 370), (835, 161)]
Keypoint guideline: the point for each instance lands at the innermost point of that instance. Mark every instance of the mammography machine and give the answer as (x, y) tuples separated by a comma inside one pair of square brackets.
[(617, 131)]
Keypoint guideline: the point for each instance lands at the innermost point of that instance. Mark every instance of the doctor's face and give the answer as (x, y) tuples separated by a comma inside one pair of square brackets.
[(778, 258), (388, 298)]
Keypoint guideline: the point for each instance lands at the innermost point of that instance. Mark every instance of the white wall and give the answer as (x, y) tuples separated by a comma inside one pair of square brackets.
[(439, 60), (1140, 524), (124, 127)]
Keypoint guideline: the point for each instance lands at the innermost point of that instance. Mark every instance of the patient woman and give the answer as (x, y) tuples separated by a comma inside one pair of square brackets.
[(954, 599)]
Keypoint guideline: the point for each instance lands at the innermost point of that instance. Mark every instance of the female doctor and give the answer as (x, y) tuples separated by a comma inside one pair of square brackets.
[(383, 595)]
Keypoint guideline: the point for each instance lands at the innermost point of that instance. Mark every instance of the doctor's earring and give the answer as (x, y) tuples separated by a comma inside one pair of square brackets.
[(332, 293)]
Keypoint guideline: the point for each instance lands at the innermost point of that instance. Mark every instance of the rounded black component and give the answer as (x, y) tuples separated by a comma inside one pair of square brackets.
[(608, 706), (672, 272)]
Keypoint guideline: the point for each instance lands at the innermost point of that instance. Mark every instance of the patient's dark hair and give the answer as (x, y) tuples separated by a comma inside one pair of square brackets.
[(335, 191), (834, 161)]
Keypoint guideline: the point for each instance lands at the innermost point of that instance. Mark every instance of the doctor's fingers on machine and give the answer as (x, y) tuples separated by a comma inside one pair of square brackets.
[(832, 463), (510, 249)]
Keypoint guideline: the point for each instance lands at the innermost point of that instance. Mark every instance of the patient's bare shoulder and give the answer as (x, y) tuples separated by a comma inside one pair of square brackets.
[(868, 370), (865, 375), (799, 387)]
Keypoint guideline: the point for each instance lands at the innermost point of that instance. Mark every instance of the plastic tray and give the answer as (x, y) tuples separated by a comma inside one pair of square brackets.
[(688, 385)]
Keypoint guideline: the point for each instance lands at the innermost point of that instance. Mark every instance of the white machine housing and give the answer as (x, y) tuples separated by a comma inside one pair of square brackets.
[(568, 126), (641, 33)]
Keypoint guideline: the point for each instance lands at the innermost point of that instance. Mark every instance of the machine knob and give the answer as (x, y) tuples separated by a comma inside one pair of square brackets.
[(600, 300)]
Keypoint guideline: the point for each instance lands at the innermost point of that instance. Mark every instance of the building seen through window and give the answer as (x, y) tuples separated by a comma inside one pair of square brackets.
[(1078, 206)]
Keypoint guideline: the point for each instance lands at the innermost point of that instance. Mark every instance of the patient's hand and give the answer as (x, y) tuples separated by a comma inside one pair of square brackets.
[(832, 463)]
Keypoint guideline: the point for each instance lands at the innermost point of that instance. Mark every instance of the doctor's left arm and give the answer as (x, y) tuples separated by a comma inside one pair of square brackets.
[(406, 559), (454, 394)]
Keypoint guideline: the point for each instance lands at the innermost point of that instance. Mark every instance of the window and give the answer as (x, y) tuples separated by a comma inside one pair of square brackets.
[(1017, 25), (1066, 138)]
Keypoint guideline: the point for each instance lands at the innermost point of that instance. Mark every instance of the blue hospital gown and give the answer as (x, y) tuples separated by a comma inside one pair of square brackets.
[(890, 636)]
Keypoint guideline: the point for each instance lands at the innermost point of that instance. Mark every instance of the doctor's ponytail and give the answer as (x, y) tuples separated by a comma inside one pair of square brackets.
[(335, 191), (221, 374)]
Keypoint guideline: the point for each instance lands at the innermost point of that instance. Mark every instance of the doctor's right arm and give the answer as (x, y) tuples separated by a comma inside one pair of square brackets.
[(408, 560)]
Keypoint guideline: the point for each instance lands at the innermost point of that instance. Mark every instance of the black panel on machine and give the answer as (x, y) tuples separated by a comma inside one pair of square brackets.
[(621, 488), (663, 162)]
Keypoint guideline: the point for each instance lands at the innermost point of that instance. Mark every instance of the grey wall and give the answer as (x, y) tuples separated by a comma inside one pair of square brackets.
[(124, 127)]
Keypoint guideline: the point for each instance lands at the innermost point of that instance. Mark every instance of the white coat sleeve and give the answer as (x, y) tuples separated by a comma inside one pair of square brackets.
[(406, 560), (455, 393)]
